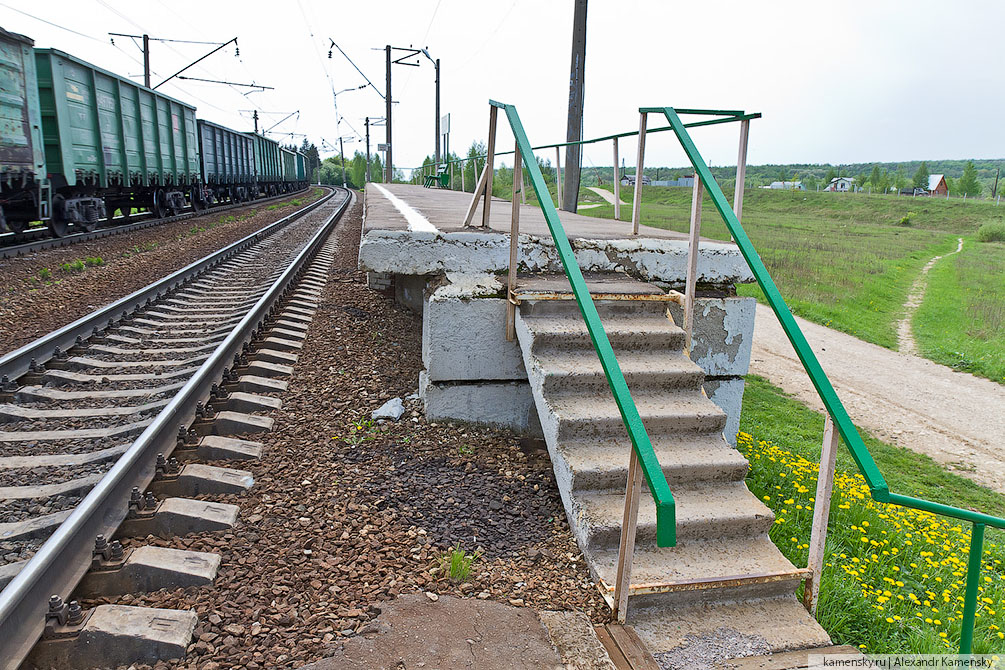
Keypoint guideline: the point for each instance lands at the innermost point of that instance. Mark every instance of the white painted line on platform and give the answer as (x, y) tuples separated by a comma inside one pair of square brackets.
[(416, 221)]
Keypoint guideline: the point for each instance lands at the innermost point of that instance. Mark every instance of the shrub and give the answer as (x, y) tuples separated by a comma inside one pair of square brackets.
[(906, 219), (993, 231)]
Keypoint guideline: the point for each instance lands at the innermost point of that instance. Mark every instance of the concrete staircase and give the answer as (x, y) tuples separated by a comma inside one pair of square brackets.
[(725, 577)]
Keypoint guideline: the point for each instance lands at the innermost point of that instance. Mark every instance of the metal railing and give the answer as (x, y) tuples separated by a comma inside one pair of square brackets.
[(838, 421), (643, 463)]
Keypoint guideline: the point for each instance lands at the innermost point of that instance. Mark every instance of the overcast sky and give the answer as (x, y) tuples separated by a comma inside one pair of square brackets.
[(836, 82)]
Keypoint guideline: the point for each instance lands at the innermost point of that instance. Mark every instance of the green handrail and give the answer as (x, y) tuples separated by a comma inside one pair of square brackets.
[(666, 524), (849, 433)]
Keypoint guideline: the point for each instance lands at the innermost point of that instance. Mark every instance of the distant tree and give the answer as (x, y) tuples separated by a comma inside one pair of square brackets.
[(951, 185), (830, 176), (874, 178), (860, 180), (783, 174), (900, 180), (921, 176), (357, 170), (884, 182), (810, 182), (968, 184)]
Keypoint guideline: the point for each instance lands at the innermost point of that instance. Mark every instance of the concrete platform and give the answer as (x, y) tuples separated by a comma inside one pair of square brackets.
[(410, 230)]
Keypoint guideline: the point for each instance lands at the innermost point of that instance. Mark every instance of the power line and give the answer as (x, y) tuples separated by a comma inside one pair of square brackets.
[(355, 66), (54, 25), (426, 34)]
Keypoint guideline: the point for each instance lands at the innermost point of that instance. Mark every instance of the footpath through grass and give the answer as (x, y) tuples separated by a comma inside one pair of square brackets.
[(894, 578), (961, 322)]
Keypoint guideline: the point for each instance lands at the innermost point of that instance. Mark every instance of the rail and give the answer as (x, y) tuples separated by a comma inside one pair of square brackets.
[(838, 419), (643, 463), (66, 555)]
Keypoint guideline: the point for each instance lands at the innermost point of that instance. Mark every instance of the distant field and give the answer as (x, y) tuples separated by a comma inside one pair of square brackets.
[(844, 260)]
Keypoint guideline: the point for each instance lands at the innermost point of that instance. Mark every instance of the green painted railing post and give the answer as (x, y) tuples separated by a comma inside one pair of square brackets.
[(973, 581)]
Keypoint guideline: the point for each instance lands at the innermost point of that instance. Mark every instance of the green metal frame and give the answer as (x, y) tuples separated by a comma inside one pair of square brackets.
[(849, 433), (666, 521)]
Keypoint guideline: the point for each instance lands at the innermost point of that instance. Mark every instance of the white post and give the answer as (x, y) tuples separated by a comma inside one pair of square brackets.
[(741, 170), (489, 165), (617, 184), (637, 195), (821, 511), (626, 549), (558, 176), (692, 260)]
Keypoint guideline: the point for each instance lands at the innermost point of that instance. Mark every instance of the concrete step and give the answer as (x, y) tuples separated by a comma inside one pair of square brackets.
[(600, 465), (580, 370), (718, 569), (780, 622), (629, 331), (596, 415), (605, 308), (718, 511)]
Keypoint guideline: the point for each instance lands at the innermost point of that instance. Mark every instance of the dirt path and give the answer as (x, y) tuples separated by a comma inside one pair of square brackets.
[(606, 195), (905, 338), (954, 417)]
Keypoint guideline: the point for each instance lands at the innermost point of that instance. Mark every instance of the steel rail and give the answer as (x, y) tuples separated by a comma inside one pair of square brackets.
[(15, 250), (65, 557)]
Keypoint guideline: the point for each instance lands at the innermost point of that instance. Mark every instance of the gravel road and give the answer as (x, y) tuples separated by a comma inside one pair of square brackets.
[(954, 417)]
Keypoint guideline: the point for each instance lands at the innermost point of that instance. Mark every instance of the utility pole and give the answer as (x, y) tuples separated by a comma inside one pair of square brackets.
[(436, 159), (368, 149), (342, 155), (388, 170), (255, 117), (574, 129), (994, 191), (146, 60)]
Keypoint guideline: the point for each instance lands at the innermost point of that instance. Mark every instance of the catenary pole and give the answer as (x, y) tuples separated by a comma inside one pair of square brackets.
[(574, 128)]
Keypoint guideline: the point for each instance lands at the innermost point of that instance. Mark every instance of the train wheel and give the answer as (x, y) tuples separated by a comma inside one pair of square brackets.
[(160, 207), (57, 222)]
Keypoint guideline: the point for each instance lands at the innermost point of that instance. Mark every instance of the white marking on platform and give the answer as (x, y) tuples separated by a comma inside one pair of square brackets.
[(416, 221)]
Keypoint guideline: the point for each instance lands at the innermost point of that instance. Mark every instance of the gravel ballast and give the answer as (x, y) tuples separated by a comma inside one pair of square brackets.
[(346, 513), (31, 306)]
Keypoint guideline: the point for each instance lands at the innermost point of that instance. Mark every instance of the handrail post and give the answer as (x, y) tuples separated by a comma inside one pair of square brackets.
[(514, 243), (626, 548), (617, 184), (741, 170), (821, 512), (697, 192), (558, 176), (490, 159), (637, 195), (973, 580)]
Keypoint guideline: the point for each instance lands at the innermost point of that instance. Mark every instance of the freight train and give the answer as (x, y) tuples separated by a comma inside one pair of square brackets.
[(81, 146)]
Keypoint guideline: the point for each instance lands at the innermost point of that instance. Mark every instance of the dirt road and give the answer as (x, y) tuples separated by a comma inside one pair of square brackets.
[(954, 417)]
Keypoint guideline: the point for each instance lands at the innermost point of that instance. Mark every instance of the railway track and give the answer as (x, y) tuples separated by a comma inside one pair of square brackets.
[(98, 416), (11, 245)]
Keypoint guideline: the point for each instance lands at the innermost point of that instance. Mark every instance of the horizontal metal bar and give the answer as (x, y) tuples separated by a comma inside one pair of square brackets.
[(704, 112), (946, 510)]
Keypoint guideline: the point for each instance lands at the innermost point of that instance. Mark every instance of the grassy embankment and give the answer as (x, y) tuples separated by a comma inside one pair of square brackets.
[(893, 578), (847, 261)]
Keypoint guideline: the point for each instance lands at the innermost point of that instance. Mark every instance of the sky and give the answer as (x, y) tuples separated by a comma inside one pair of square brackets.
[(836, 82)]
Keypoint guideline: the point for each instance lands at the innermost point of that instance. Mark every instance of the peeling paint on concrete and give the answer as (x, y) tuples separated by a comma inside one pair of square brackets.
[(420, 253)]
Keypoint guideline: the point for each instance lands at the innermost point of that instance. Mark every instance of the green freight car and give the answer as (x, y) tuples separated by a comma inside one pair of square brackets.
[(228, 163), (301, 169), (268, 167), (22, 159), (289, 159), (111, 144)]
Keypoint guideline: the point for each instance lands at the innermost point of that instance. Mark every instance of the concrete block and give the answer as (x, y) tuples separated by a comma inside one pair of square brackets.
[(727, 393), (409, 290), (181, 516), (500, 404), (282, 344), (117, 635), (263, 369), (723, 334), (219, 448), (150, 568), (465, 339), (249, 402), (196, 479), (257, 384), (237, 423)]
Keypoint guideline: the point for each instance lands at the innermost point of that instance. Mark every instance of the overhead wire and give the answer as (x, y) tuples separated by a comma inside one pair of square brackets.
[(54, 25)]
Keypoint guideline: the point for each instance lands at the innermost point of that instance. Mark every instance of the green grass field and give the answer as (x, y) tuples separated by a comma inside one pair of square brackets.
[(846, 261), (893, 578)]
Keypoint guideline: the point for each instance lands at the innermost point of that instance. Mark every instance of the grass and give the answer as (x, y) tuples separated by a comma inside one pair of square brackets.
[(847, 261), (993, 231), (893, 577), (138, 249), (80, 265), (961, 322), (456, 564)]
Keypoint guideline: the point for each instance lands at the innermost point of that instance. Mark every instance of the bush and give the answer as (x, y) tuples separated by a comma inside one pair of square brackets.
[(906, 219), (992, 232)]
